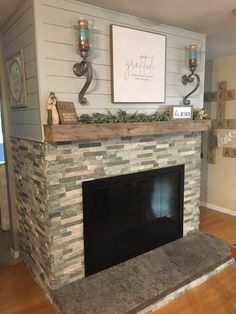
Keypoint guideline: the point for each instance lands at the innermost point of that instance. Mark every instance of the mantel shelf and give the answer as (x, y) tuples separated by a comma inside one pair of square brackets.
[(77, 132)]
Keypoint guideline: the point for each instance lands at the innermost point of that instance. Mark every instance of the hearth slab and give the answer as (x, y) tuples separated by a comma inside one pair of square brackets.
[(144, 280)]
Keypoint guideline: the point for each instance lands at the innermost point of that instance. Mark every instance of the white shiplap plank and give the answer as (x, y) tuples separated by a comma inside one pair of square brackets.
[(97, 87), (59, 59), (27, 131), (23, 40), (72, 85), (110, 16), (30, 69), (25, 116), (29, 52), (20, 9), (101, 26), (32, 85), (100, 103), (65, 69), (69, 53), (21, 24), (33, 101)]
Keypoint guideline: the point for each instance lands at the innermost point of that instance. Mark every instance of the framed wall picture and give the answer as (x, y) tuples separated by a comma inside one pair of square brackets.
[(17, 80), (138, 66)]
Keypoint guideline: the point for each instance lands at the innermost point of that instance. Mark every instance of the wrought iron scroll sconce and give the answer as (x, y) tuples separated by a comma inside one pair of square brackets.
[(84, 67), (193, 57)]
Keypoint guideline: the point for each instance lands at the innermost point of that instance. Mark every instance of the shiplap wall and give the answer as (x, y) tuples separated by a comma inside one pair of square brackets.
[(19, 33), (57, 53)]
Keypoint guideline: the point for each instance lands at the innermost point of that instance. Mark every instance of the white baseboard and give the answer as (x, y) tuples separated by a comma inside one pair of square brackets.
[(219, 209)]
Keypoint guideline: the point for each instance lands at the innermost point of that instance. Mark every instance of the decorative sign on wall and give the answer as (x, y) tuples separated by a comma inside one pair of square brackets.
[(229, 152), (181, 112), (221, 96), (223, 139), (212, 145), (138, 66), (67, 112), (224, 123), (17, 80)]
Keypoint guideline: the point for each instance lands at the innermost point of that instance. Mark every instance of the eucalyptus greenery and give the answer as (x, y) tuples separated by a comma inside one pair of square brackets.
[(123, 117)]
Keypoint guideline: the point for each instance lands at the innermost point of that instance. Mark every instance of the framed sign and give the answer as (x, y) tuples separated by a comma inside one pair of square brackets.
[(17, 81), (138, 66), (67, 113), (181, 112)]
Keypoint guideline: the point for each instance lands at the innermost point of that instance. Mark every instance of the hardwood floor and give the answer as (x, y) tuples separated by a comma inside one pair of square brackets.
[(218, 224), (218, 294), (19, 293)]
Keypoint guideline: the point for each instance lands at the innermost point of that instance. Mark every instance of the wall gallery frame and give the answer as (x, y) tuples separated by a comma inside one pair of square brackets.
[(17, 80), (138, 66)]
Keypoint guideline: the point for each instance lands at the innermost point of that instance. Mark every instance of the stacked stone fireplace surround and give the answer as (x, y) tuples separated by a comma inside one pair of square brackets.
[(49, 192)]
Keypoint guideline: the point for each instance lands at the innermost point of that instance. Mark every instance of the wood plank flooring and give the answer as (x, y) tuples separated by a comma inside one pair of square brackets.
[(218, 224), (19, 293)]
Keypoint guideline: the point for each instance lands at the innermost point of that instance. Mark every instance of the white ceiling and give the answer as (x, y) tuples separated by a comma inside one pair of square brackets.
[(211, 17)]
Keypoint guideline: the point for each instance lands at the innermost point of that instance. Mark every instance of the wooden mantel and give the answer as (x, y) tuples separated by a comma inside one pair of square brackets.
[(76, 132)]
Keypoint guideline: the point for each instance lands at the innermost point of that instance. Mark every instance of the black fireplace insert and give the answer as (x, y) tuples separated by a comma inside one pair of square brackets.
[(128, 215)]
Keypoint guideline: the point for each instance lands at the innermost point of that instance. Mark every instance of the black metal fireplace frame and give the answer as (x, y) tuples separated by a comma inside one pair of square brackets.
[(93, 266)]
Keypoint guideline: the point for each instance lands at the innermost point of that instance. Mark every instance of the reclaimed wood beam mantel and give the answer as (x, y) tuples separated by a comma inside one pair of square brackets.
[(77, 132)]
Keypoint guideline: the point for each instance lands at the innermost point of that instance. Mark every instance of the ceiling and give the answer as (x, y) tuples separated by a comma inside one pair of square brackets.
[(213, 18)]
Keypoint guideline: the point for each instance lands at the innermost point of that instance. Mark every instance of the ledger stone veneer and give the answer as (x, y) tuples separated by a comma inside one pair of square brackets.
[(49, 192)]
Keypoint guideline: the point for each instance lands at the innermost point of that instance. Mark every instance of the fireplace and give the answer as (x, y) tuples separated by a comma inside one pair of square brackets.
[(127, 215), (50, 199)]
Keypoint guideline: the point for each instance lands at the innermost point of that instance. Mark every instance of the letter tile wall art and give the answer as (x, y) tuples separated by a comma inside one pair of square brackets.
[(220, 98)]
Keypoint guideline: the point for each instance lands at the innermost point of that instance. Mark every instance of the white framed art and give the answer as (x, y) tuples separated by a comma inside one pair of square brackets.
[(138, 66)]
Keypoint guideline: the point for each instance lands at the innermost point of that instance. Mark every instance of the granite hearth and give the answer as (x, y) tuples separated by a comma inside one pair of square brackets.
[(147, 282)]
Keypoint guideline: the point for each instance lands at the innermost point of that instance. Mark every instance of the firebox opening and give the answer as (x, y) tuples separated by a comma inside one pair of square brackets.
[(128, 215)]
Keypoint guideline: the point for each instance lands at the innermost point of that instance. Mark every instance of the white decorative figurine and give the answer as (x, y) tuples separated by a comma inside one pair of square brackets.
[(53, 117)]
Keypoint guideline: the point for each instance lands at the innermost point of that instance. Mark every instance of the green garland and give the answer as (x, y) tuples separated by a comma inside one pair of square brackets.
[(123, 117)]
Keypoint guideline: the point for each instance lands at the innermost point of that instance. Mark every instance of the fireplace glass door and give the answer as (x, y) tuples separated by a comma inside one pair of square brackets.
[(128, 215)]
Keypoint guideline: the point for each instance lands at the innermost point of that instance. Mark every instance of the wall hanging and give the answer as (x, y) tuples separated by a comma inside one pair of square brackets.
[(138, 66), (220, 97), (17, 80), (84, 67), (193, 56)]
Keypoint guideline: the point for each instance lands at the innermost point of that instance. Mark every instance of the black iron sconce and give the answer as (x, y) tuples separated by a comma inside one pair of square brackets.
[(84, 67), (193, 57)]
